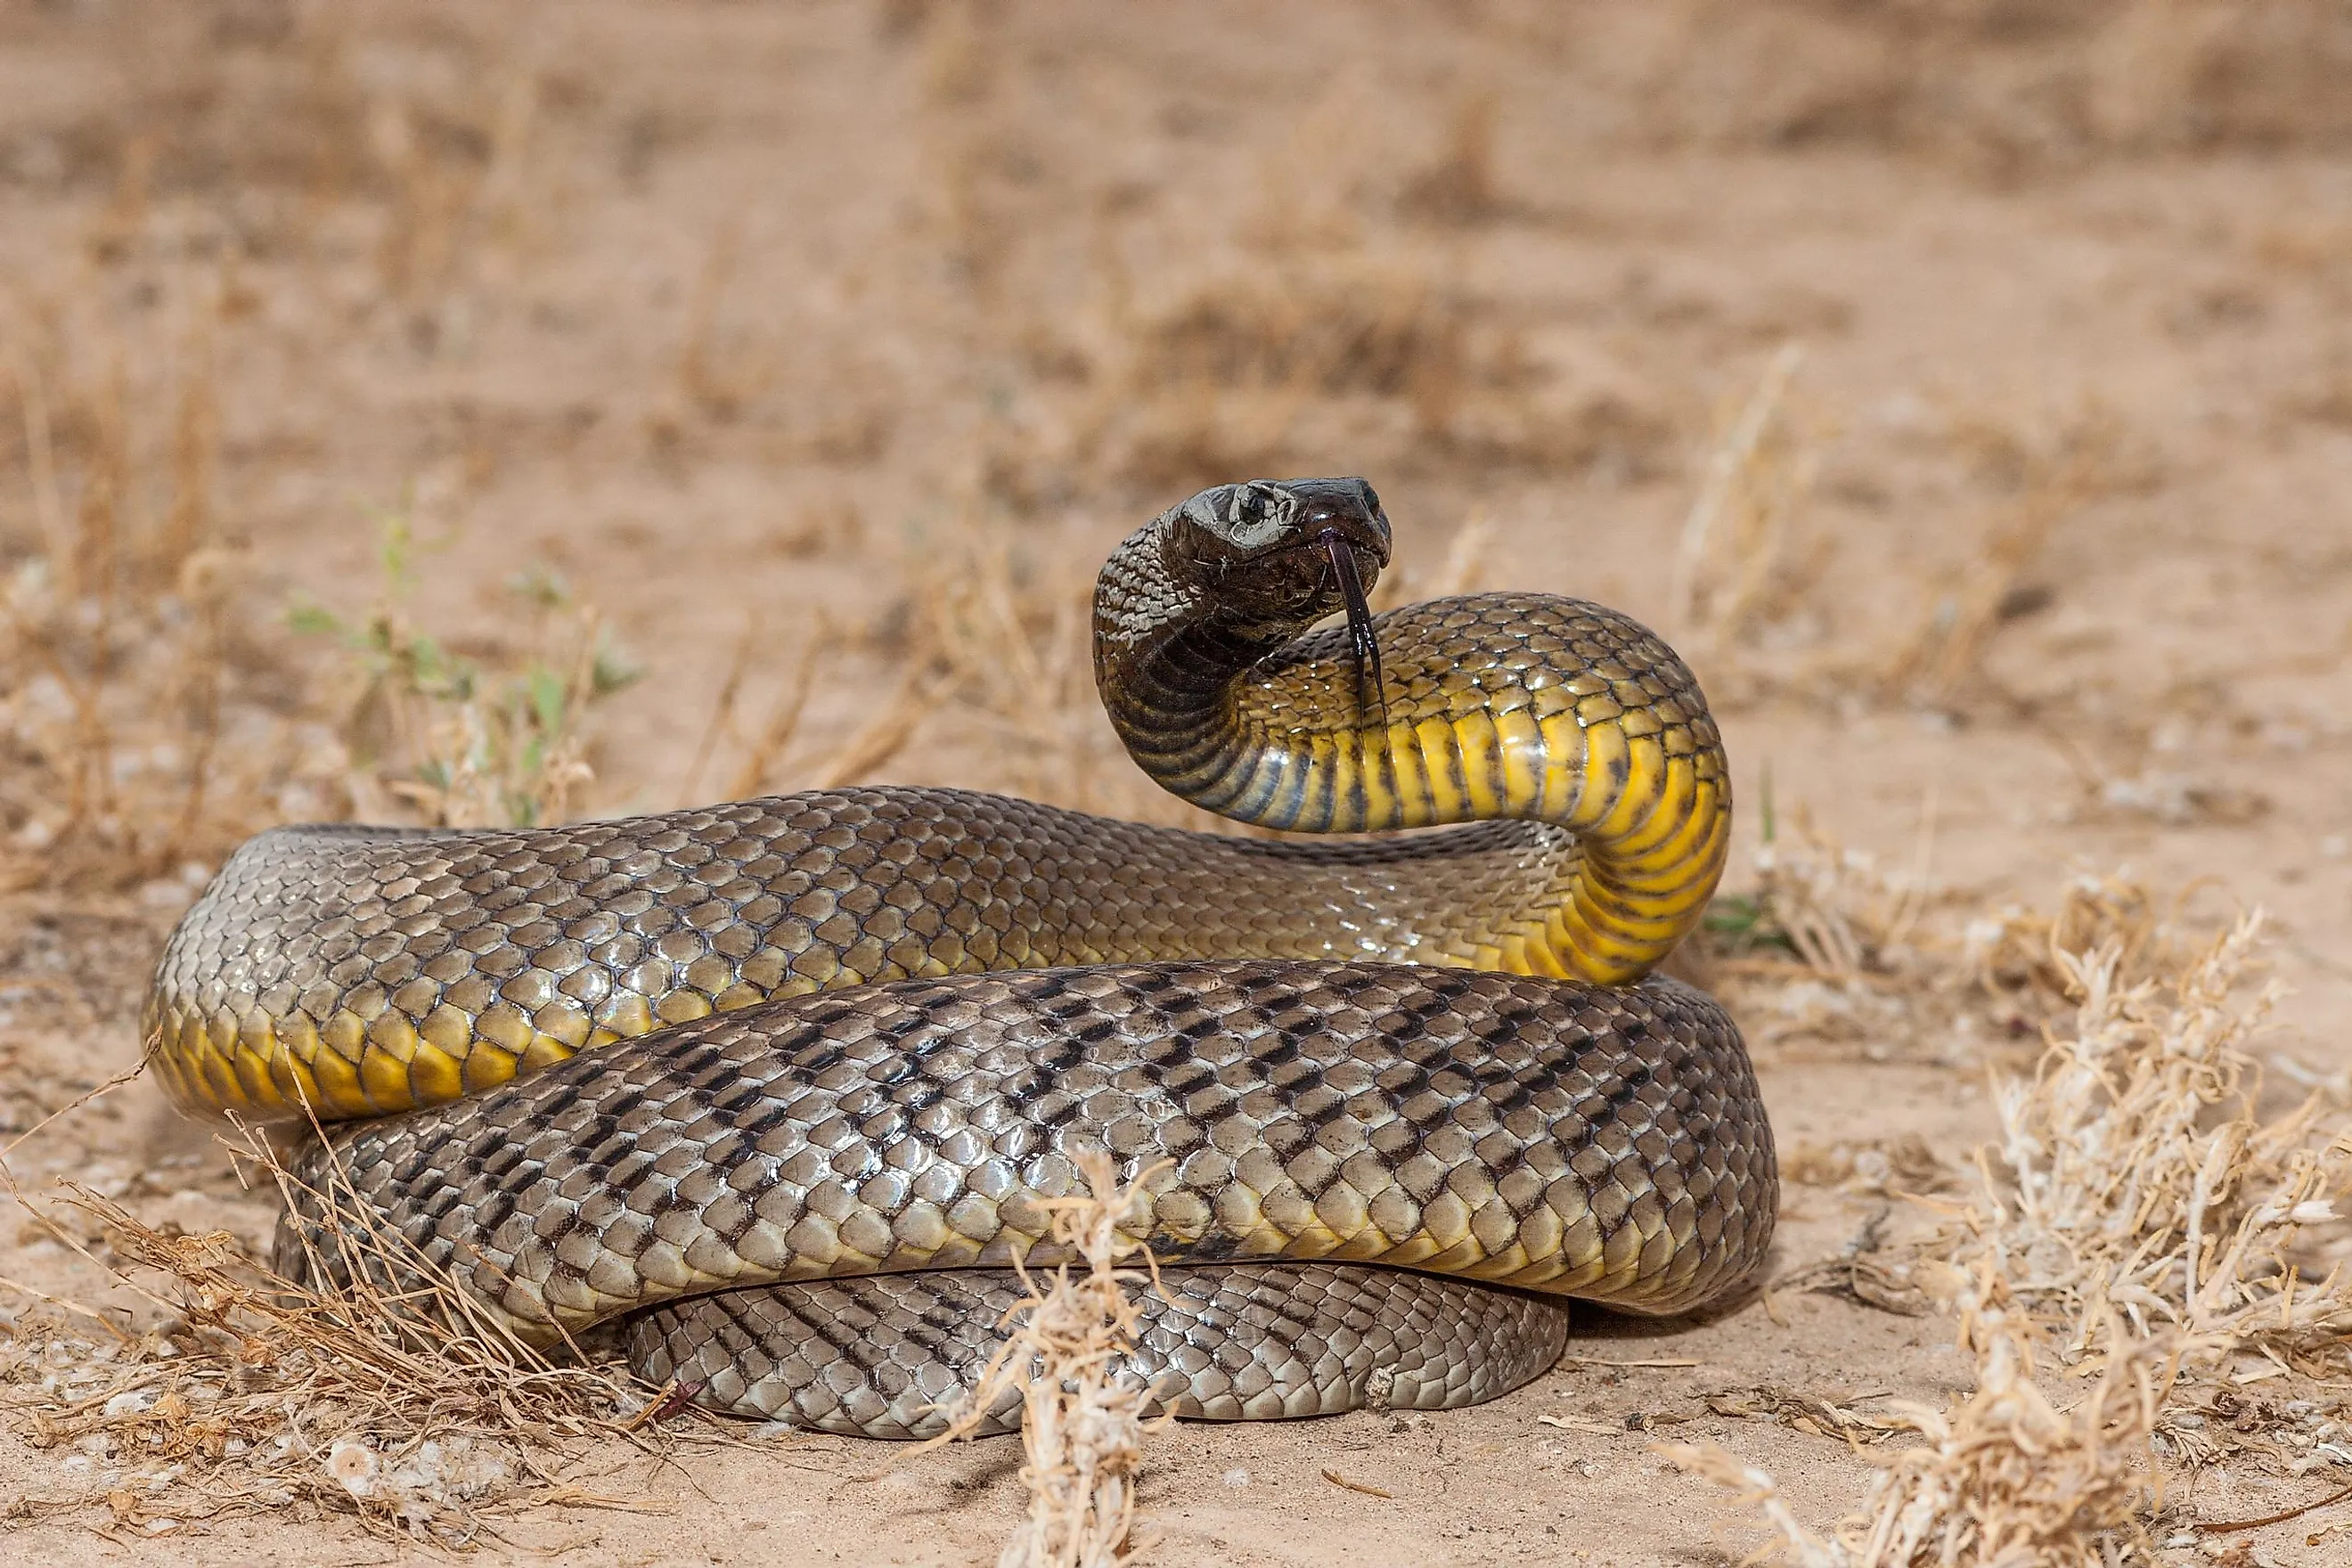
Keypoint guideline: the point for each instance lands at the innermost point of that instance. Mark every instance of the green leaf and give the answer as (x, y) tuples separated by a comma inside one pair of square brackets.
[(547, 700), (307, 619)]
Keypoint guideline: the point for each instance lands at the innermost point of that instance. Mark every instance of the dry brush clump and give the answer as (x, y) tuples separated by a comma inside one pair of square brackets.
[(255, 154), (2139, 1179), (1829, 947), (428, 127), (147, 726), (2004, 91), (1002, 640), (1009, 639), (2040, 468), (138, 733), (2008, 1479), (249, 1393), (1083, 1422), (1736, 599), (1248, 370), (2143, 1216), (151, 731), (1771, 595), (1828, 950)]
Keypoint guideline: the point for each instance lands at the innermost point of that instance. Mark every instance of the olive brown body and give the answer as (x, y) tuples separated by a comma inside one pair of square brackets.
[(667, 1066)]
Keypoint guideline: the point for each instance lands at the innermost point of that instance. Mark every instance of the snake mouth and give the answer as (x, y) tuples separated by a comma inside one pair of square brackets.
[(1272, 557)]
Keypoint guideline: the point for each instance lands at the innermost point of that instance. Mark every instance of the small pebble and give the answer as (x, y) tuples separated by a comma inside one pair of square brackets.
[(1236, 1478), (129, 1402)]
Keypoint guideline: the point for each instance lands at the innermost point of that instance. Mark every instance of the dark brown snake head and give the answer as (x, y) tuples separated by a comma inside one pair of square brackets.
[(1279, 551), (1274, 556)]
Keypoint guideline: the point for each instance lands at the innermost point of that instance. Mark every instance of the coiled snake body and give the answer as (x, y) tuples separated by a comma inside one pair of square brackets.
[(783, 1082)]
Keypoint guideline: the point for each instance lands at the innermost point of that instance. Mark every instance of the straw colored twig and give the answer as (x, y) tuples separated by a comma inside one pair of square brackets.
[(1082, 1421)]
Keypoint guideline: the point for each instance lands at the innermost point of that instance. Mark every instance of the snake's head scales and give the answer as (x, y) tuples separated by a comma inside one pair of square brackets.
[(1220, 580), (1280, 553)]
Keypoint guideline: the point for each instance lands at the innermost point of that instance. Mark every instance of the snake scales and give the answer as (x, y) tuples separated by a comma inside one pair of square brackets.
[(782, 1082)]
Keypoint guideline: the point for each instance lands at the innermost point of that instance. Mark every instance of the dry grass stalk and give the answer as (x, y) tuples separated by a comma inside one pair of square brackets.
[(2005, 1480), (1460, 186), (716, 390), (404, 1405), (1248, 370), (775, 735), (1082, 1423), (885, 735), (1831, 946), (1756, 478), (721, 721), (1013, 646), (2138, 1180), (446, 203), (40, 459), (1014, 642), (2075, 467), (116, 632), (763, 747)]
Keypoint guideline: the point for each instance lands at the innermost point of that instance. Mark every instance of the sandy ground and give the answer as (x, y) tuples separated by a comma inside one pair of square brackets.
[(753, 320)]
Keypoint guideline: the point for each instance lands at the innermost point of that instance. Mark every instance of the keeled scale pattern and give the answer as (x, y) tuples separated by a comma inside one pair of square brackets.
[(1535, 706), (882, 1355), (365, 969), (1602, 1142)]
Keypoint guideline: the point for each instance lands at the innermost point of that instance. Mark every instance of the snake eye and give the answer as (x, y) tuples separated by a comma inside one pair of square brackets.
[(1249, 506)]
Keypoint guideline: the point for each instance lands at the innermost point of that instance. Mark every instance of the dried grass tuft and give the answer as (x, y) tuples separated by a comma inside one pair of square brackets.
[(1013, 643), (2014, 950), (1756, 474), (2049, 473), (1744, 600), (132, 746), (2006, 1478), (2141, 1208), (1905, 1162), (1007, 641), (2137, 1178), (1460, 185), (253, 1394), (1831, 948), (1836, 946), (1082, 1424), (1835, 909)]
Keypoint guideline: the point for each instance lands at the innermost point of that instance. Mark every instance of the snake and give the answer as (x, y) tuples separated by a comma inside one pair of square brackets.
[(782, 1093)]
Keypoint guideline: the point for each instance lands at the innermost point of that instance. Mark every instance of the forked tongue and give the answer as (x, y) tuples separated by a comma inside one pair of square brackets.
[(1370, 696)]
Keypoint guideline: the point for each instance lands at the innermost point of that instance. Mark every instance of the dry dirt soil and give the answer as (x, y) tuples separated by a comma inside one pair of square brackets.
[(855, 333)]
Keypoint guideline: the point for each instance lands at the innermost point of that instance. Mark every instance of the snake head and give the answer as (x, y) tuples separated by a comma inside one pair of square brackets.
[(1276, 556)]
